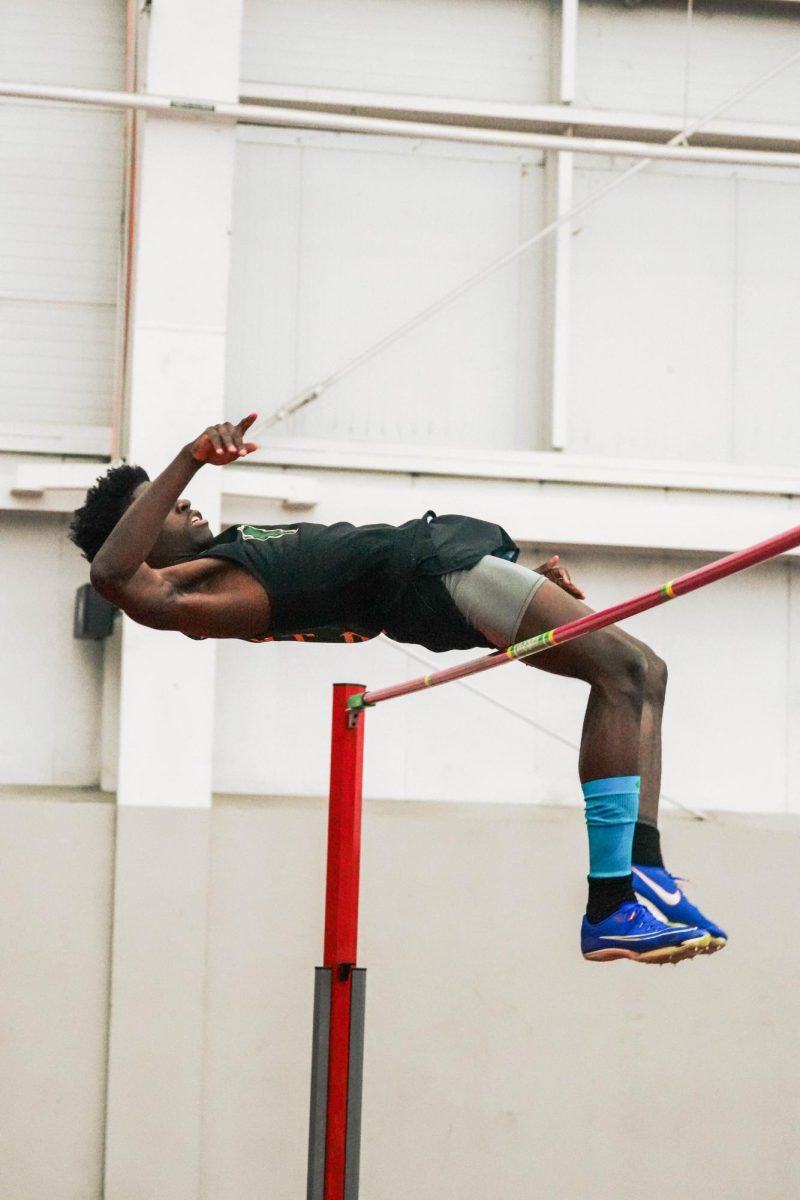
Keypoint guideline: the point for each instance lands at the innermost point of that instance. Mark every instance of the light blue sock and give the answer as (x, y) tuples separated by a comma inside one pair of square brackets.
[(612, 806)]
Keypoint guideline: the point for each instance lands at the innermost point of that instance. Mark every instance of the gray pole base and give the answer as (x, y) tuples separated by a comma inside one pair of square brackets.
[(318, 1122), (355, 1079)]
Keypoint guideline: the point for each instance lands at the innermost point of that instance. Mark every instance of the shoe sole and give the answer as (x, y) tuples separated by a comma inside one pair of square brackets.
[(715, 944), (666, 954)]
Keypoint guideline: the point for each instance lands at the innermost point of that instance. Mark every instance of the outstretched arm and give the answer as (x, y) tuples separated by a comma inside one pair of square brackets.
[(119, 570)]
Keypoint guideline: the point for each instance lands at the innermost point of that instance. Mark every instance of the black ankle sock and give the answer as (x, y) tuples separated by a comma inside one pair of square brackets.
[(647, 845), (606, 895)]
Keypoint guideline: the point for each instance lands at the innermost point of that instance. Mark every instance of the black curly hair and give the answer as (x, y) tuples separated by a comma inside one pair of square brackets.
[(105, 504)]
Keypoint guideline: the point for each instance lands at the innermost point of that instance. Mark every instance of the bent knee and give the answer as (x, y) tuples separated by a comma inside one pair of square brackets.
[(657, 675), (625, 672)]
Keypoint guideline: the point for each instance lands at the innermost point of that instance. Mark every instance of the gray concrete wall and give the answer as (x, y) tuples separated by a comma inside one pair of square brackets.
[(497, 1061)]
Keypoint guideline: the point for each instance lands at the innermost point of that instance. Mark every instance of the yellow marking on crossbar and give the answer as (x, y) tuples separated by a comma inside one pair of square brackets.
[(426, 679), (668, 590), (531, 645)]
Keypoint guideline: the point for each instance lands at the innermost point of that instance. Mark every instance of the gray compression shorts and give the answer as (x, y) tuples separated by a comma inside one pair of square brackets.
[(492, 597)]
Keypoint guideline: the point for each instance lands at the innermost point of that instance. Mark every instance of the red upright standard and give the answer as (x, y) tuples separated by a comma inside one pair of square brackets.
[(339, 1002)]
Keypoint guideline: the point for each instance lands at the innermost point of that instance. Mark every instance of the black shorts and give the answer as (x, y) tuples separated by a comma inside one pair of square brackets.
[(423, 613)]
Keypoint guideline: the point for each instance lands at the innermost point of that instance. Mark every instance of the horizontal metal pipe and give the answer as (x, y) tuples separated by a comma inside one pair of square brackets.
[(313, 119), (681, 586)]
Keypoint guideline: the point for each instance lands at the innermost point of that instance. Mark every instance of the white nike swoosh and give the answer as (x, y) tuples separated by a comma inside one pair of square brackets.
[(670, 898), (640, 937)]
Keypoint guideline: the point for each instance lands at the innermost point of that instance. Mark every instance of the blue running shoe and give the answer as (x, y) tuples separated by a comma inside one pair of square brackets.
[(633, 932), (659, 888)]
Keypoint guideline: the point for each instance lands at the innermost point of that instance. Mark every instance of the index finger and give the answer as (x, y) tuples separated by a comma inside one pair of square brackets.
[(246, 422)]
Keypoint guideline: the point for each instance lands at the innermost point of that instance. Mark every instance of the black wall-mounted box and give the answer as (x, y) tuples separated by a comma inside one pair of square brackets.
[(94, 616)]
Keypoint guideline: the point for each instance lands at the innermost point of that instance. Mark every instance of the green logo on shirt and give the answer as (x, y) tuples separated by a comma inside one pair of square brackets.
[(256, 533)]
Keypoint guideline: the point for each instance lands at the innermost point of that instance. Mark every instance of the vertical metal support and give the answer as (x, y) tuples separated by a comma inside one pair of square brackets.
[(355, 1075), (559, 180), (319, 1084), (342, 1121), (567, 52), (559, 169)]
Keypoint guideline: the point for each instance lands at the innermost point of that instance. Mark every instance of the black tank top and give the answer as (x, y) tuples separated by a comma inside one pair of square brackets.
[(348, 583)]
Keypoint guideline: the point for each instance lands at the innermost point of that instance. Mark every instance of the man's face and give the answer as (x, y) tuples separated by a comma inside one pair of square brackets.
[(183, 534)]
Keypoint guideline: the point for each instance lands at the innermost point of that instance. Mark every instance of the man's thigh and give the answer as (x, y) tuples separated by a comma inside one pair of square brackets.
[(494, 596)]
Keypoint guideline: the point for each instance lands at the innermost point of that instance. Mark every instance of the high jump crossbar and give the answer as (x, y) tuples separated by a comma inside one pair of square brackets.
[(340, 986)]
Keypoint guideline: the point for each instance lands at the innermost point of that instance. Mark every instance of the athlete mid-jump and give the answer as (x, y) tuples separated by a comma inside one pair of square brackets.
[(445, 583)]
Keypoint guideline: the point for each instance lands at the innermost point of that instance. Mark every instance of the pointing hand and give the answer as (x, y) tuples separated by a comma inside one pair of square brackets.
[(224, 443)]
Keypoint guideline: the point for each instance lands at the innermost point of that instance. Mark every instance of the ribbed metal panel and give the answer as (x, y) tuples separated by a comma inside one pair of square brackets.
[(339, 240), (682, 331), (61, 174), (487, 49), (638, 60)]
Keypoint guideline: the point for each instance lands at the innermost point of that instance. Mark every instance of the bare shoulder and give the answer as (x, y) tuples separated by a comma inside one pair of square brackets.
[(213, 576), (209, 598), (196, 573)]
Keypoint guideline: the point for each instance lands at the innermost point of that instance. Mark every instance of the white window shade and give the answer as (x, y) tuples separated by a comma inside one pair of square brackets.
[(683, 317), (484, 49), (61, 178), (647, 59), (338, 240)]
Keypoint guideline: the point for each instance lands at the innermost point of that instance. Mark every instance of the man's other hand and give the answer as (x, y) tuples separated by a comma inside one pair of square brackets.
[(560, 575)]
